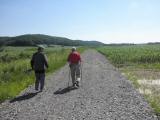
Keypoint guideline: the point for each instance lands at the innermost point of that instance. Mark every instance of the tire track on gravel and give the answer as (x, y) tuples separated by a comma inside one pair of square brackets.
[(104, 95)]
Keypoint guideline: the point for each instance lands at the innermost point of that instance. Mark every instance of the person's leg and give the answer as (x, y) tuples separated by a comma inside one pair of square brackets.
[(42, 79), (77, 74), (77, 71), (73, 73), (37, 81)]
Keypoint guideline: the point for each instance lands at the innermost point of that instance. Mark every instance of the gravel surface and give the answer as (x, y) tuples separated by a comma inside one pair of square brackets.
[(104, 94)]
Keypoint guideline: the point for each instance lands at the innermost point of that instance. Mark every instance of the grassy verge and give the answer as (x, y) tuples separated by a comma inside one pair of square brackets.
[(15, 63), (141, 65)]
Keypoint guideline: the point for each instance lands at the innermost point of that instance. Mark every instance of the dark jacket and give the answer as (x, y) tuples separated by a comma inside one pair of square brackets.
[(39, 62)]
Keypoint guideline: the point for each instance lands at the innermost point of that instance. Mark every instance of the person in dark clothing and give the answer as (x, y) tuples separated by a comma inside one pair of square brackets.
[(39, 64)]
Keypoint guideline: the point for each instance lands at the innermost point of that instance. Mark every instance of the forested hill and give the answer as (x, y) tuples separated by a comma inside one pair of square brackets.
[(35, 39)]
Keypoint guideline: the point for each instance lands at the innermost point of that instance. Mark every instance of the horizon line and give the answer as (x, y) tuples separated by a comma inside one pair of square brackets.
[(82, 39)]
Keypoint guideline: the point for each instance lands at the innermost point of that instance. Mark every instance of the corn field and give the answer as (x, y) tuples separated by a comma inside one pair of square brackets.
[(133, 54)]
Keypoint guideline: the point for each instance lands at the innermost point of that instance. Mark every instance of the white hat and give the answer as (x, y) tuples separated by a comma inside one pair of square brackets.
[(40, 46), (73, 48)]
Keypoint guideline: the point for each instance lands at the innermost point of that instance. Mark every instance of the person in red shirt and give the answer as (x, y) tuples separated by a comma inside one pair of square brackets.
[(74, 60)]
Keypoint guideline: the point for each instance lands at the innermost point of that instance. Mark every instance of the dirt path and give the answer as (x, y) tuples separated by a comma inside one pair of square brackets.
[(104, 95)]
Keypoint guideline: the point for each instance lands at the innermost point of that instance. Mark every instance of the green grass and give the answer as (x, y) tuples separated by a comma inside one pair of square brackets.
[(130, 55), (13, 69), (140, 58)]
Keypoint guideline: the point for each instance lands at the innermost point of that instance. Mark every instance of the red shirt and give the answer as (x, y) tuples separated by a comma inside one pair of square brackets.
[(74, 57)]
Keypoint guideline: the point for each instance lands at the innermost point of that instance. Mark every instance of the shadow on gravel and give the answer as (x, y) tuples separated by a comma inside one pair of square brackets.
[(64, 90), (24, 97)]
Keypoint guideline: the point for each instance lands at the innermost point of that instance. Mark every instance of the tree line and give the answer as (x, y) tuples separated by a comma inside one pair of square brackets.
[(35, 39)]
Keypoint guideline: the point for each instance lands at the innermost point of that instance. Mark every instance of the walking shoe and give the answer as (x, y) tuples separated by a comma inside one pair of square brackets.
[(75, 86), (41, 91), (36, 90), (77, 83)]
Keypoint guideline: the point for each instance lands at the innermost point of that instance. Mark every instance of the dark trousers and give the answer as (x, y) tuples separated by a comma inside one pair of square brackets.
[(40, 77)]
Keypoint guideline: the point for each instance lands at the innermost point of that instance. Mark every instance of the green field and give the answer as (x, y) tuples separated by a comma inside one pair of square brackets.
[(141, 64), (15, 64)]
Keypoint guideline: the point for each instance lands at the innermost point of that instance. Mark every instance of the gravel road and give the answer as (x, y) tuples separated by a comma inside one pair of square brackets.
[(104, 94)]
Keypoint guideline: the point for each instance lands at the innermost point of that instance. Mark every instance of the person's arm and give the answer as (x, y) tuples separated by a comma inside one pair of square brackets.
[(46, 61), (69, 62)]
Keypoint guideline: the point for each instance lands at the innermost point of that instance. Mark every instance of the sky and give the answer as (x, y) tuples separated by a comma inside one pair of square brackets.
[(107, 21)]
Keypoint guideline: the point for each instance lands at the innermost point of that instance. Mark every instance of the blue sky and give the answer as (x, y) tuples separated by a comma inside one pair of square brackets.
[(108, 21)]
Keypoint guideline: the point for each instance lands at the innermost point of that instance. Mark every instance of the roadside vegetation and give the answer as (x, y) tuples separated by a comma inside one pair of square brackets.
[(15, 69), (141, 64)]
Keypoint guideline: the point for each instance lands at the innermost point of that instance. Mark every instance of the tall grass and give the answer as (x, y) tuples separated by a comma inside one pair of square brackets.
[(14, 75), (122, 56)]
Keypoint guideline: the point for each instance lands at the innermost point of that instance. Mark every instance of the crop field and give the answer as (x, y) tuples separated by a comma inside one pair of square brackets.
[(141, 65), (15, 69)]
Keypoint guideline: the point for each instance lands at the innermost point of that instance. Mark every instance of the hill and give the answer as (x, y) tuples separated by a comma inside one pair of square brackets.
[(35, 39)]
